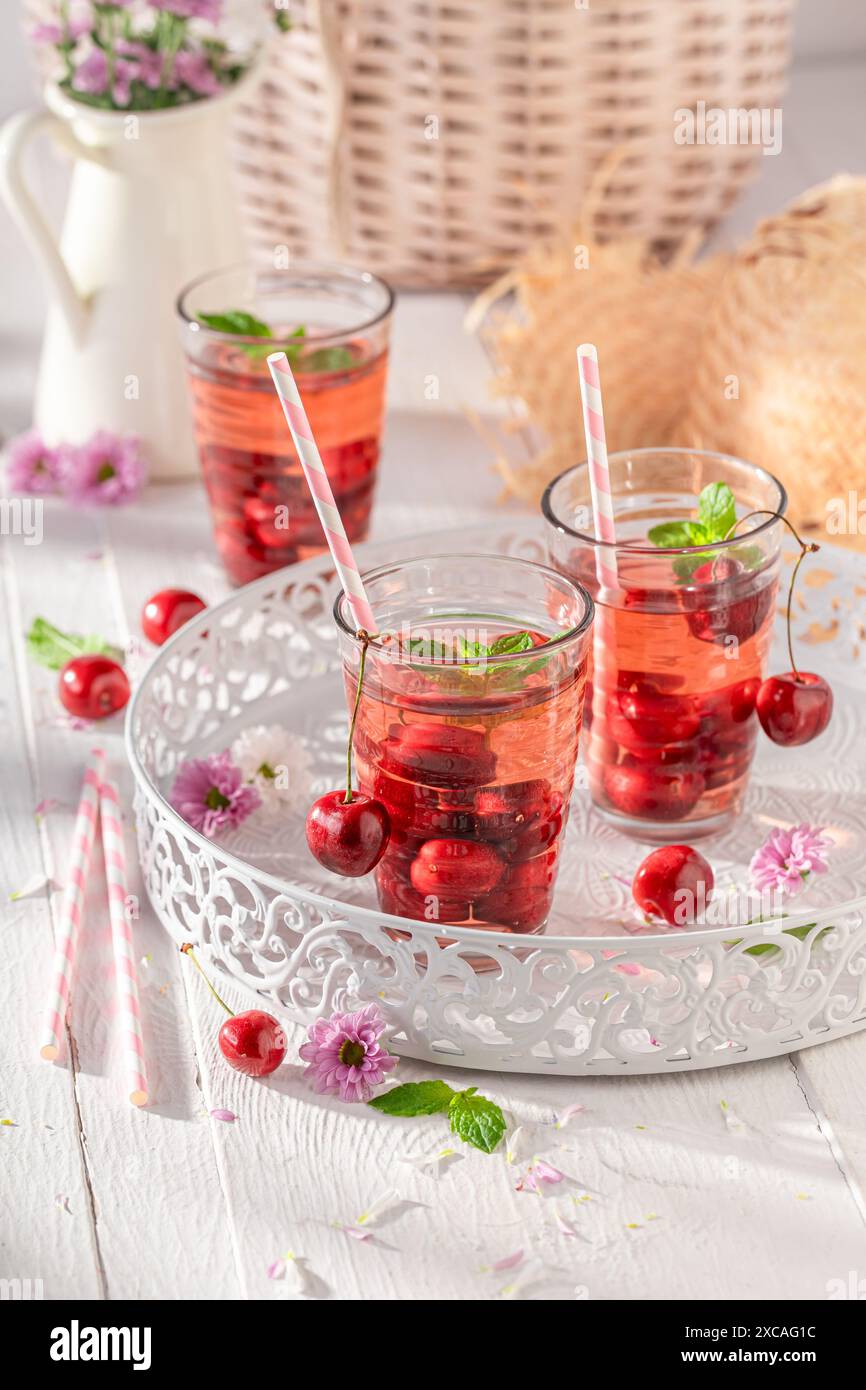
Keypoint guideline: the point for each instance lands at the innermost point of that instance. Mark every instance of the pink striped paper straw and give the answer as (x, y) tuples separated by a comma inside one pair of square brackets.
[(121, 940), (599, 469), (72, 909), (323, 497)]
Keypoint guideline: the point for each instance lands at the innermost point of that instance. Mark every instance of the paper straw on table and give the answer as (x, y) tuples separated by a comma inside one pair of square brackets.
[(121, 939), (323, 497), (599, 469), (72, 908)]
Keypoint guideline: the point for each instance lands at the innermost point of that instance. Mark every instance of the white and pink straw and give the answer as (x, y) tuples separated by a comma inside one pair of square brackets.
[(323, 497), (597, 462), (72, 907), (99, 803), (121, 940)]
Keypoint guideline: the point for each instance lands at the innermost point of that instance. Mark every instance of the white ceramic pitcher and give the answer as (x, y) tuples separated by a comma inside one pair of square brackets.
[(152, 204)]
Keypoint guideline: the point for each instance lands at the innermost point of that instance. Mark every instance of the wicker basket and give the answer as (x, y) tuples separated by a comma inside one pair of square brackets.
[(434, 140)]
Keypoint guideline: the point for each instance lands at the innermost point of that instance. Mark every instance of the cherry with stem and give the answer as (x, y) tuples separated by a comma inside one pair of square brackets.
[(348, 831), (253, 1042), (794, 707)]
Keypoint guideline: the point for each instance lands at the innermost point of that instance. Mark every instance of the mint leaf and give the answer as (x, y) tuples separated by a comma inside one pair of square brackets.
[(53, 648), (511, 642), (751, 557), (236, 321), (716, 510), (673, 534), (476, 1121), (428, 648), (332, 359), (415, 1098), (684, 566)]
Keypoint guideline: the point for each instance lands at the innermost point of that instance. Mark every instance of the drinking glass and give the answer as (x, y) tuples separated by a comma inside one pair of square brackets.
[(681, 641), (334, 324), (471, 750)]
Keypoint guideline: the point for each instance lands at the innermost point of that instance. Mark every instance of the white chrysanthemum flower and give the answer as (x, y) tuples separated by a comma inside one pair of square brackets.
[(277, 764)]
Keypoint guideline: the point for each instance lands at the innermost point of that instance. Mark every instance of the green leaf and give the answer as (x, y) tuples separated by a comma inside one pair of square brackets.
[(428, 648), (53, 648), (673, 534), (684, 566), (717, 512), (415, 1098), (511, 642), (476, 1121), (237, 321), (332, 359), (751, 557)]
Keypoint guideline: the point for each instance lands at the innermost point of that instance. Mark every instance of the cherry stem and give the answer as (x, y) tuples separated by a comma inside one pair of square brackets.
[(186, 949), (806, 548), (365, 639)]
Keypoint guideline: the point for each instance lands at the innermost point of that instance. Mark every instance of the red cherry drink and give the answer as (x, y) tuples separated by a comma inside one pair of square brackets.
[(681, 648), (260, 502), (472, 752)]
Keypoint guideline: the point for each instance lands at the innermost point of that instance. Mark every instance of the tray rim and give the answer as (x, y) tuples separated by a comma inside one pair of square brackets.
[(636, 943)]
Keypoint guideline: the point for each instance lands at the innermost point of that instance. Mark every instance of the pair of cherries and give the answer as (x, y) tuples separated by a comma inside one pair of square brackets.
[(93, 686)]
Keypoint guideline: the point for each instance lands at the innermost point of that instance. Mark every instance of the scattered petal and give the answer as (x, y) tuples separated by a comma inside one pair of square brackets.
[(434, 1164), (63, 1203), (568, 1114), (538, 1176), (34, 885), (277, 1269), (12, 1123), (227, 1115), (385, 1209), (45, 807), (565, 1228), (732, 1121), (507, 1262)]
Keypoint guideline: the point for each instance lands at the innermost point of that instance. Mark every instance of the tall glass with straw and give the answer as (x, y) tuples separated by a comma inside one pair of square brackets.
[(473, 670), (683, 631)]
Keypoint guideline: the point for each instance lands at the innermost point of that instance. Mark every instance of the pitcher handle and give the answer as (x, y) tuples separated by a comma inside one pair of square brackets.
[(15, 136)]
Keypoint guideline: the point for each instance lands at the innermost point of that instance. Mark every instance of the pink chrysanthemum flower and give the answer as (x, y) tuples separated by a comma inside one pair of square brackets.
[(210, 794), (788, 857), (31, 466), (344, 1054), (108, 470)]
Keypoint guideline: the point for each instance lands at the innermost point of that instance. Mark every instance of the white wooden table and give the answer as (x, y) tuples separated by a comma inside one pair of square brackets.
[(668, 1197)]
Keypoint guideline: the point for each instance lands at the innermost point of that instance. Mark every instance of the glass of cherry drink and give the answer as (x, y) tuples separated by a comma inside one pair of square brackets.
[(334, 323), (467, 732), (680, 643)]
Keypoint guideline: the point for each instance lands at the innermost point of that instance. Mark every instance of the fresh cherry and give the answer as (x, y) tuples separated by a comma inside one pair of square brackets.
[(347, 831), (795, 707), (650, 791), (167, 611), (93, 686), (672, 883), (440, 755), (739, 614), (348, 837), (455, 868), (640, 720), (253, 1042)]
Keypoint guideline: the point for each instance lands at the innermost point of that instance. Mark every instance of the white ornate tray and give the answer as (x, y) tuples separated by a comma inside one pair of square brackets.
[(596, 992)]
